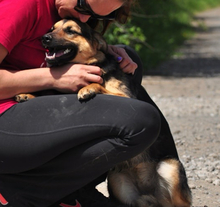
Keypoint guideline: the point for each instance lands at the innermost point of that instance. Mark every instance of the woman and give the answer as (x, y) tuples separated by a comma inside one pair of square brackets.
[(54, 146)]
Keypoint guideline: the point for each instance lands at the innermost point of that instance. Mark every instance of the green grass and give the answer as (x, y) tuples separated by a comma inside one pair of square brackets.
[(158, 27)]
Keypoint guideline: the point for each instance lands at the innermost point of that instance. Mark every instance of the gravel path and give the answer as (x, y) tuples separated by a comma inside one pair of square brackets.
[(187, 90), (192, 108)]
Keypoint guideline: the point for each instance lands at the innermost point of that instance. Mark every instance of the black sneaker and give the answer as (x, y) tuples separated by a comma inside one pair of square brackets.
[(87, 197), (76, 204), (4, 202), (68, 201)]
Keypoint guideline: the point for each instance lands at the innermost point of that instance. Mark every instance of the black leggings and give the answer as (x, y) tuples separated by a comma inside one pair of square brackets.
[(54, 145)]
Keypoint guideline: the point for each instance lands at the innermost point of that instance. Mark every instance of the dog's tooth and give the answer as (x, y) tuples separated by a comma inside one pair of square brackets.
[(46, 54), (50, 56), (66, 51)]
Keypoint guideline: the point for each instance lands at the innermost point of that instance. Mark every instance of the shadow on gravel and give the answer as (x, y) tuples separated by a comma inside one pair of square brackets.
[(201, 18), (188, 67)]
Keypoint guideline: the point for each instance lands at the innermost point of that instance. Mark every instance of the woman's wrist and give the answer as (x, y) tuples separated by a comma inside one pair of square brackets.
[(24, 81)]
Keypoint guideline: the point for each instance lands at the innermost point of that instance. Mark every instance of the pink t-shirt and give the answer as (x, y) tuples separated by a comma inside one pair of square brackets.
[(23, 23)]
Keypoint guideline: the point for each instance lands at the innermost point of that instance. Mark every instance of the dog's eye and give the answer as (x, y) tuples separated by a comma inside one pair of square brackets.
[(51, 29), (69, 30)]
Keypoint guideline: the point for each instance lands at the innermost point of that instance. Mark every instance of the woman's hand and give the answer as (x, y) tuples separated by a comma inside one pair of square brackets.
[(125, 62), (70, 78), (66, 79)]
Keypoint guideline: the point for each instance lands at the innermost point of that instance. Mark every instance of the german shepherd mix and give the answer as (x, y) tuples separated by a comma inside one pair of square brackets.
[(142, 181)]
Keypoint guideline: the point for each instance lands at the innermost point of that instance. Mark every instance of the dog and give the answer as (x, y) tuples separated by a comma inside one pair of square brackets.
[(143, 181), (78, 43)]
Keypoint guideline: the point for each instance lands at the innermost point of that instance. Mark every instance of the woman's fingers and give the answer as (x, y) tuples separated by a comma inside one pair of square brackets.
[(125, 62)]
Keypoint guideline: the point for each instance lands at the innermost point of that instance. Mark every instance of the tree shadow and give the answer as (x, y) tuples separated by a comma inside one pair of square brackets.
[(188, 67)]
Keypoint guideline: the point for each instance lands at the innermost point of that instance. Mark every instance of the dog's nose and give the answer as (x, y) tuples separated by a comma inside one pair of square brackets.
[(46, 39)]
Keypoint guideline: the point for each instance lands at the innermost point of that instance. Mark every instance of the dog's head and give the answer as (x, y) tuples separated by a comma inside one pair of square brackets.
[(72, 41)]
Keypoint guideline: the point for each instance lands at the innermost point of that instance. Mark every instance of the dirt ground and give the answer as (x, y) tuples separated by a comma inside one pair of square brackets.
[(192, 108), (187, 90)]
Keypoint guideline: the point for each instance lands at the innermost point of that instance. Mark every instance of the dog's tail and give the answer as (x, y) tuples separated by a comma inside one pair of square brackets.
[(173, 183)]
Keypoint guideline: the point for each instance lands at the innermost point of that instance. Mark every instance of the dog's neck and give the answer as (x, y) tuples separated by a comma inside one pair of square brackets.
[(97, 59)]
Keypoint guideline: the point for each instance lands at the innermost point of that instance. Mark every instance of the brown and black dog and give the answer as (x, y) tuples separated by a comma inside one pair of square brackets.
[(142, 181)]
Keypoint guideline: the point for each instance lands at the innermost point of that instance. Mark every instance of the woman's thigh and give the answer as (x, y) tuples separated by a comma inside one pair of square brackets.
[(34, 132)]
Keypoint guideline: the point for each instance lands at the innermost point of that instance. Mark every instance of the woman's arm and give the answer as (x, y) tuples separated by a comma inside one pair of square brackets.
[(67, 79)]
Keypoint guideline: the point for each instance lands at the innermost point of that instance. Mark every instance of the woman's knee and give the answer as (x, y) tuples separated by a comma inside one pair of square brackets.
[(150, 119), (144, 125)]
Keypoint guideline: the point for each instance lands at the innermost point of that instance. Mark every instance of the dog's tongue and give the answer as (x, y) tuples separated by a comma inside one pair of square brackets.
[(53, 55)]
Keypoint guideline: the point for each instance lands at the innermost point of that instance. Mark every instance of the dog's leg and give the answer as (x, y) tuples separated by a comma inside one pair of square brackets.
[(91, 90), (137, 186), (122, 187), (23, 97), (173, 182)]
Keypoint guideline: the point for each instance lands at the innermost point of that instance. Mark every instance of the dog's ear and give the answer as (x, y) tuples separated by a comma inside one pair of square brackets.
[(101, 43)]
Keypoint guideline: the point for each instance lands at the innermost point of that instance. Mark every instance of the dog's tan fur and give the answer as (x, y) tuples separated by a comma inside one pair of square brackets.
[(141, 181)]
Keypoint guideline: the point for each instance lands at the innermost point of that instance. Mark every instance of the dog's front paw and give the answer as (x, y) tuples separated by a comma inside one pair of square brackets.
[(86, 93), (23, 97)]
